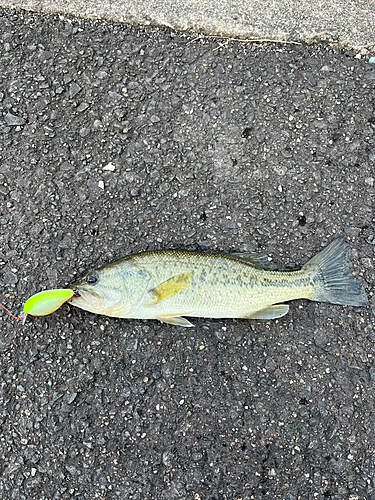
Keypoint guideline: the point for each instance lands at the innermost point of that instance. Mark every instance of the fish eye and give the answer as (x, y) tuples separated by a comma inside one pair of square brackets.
[(91, 279)]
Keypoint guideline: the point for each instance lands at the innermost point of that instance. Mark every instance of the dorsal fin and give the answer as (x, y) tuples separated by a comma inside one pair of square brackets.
[(258, 260)]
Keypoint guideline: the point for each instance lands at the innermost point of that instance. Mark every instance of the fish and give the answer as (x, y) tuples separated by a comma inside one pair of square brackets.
[(171, 285)]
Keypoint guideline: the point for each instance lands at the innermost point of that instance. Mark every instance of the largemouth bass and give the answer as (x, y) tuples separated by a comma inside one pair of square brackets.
[(169, 284)]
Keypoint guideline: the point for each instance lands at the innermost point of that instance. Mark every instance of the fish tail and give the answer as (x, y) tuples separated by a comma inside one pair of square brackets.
[(330, 270)]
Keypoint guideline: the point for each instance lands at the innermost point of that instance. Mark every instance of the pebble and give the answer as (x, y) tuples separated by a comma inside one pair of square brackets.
[(10, 278), (13, 120), (82, 107), (176, 102), (71, 398), (84, 132), (115, 96), (109, 167), (102, 75), (74, 88)]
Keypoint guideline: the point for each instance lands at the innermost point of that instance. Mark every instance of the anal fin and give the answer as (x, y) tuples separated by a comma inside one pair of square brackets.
[(175, 320), (270, 312)]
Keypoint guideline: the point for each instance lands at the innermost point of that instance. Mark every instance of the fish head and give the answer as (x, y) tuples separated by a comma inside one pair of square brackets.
[(102, 291)]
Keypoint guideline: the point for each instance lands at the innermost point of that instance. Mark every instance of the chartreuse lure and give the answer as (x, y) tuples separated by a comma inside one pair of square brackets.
[(43, 303), (46, 302)]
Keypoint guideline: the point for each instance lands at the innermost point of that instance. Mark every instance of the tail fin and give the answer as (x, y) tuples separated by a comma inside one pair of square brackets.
[(330, 270)]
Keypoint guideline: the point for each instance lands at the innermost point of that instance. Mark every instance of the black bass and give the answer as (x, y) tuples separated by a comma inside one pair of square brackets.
[(170, 284)]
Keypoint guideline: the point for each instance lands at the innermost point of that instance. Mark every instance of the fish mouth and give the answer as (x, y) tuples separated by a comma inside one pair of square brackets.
[(77, 296), (79, 293), (89, 300)]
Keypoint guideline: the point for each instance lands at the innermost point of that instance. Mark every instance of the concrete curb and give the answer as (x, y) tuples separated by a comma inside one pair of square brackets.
[(347, 23)]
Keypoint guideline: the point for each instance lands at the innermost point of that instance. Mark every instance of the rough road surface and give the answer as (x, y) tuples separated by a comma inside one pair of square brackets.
[(118, 139)]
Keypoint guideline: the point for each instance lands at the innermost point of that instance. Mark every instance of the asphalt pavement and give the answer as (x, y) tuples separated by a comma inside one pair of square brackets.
[(119, 138)]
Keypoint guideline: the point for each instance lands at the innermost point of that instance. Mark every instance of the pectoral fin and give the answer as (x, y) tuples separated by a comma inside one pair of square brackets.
[(270, 312), (172, 286), (175, 320)]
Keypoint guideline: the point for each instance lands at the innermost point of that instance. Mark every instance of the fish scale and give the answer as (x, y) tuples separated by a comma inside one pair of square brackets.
[(219, 294), (230, 287)]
